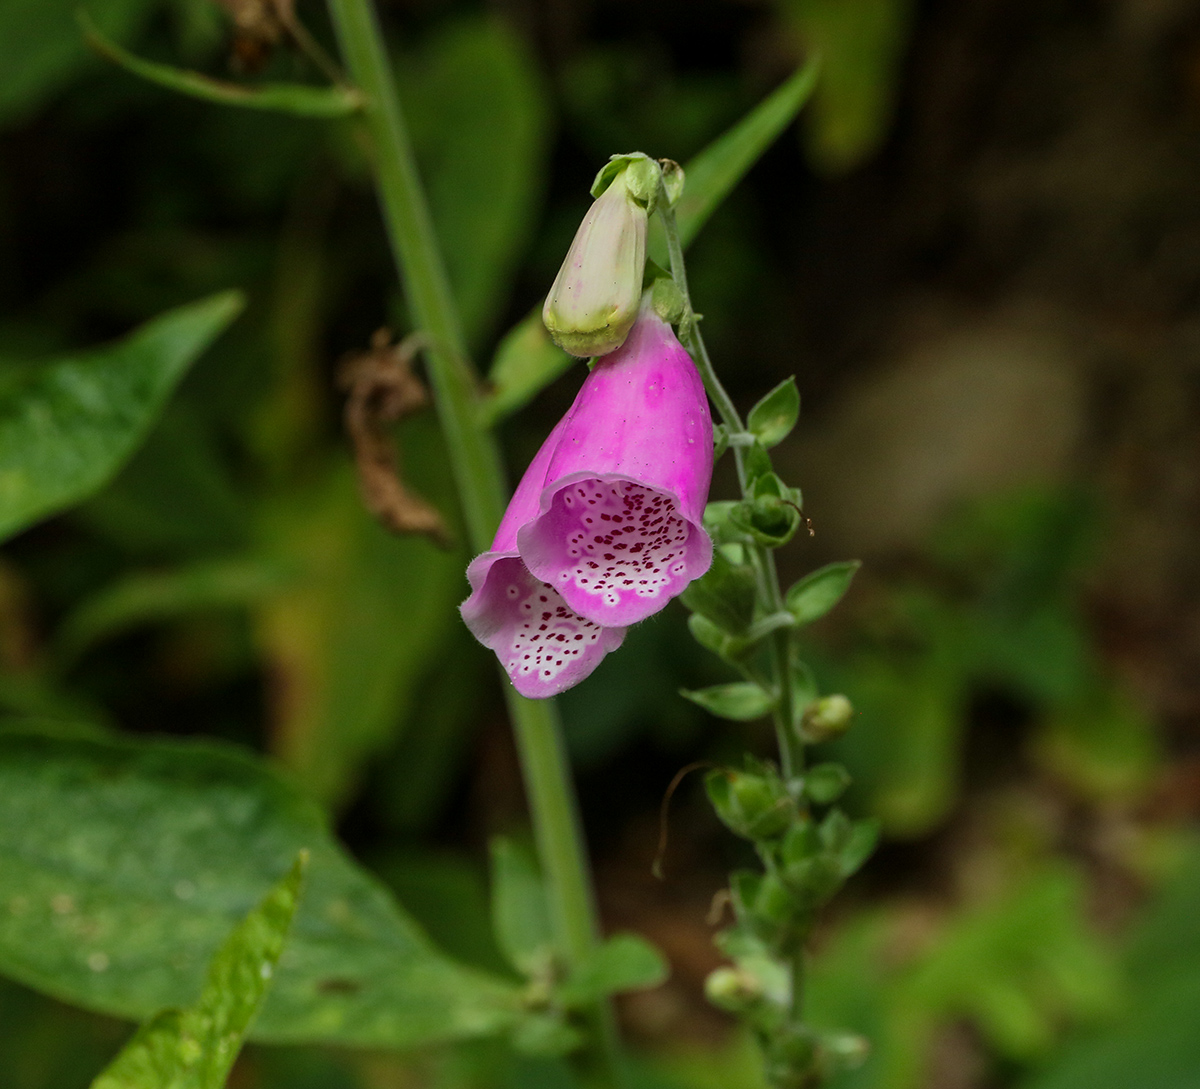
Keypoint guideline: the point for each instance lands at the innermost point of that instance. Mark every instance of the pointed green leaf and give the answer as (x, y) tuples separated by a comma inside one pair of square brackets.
[(740, 701), (298, 99), (41, 50), (772, 419), (859, 845), (67, 426), (124, 864), (478, 113), (861, 44), (625, 962), (147, 596), (520, 911), (818, 592), (526, 361), (195, 1048), (713, 173)]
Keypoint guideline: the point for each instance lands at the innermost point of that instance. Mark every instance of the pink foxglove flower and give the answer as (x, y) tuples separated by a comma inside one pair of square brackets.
[(605, 526), (618, 531), (544, 647)]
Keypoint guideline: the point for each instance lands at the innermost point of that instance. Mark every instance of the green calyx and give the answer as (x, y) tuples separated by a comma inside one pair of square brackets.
[(643, 176)]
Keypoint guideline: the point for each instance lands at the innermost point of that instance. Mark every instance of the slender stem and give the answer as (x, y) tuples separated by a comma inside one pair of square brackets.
[(560, 846), (475, 460), (473, 453)]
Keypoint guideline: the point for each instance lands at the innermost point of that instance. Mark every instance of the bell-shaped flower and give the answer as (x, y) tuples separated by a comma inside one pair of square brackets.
[(544, 647), (594, 300), (618, 528)]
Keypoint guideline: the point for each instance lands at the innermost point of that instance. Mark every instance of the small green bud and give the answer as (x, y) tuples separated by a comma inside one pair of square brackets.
[(673, 180), (595, 297), (825, 783), (841, 1051), (753, 806), (826, 718), (643, 176), (667, 300), (733, 989), (771, 520)]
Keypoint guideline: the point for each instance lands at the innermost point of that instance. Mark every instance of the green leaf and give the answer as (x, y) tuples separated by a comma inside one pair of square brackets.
[(861, 44), (520, 911), (858, 846), (772, 419), (526, 361), (714, 172), (350, 638), (725, 594), (41, 49), (825, 783), (124, 864), (625, 962), (298, 99), (68, 427), (195, 1048), (148, 596), (740, 701), (818, 592), (480, 126)]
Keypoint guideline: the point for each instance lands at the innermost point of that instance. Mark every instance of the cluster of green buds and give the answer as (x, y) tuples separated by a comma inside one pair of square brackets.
[(807, 846)]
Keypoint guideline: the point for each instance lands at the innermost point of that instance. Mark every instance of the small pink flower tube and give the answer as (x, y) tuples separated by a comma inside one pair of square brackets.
[(544, 647), (618, 527)]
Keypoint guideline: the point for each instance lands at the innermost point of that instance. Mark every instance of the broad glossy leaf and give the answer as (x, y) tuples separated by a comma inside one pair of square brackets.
[(772, 419), (526, 361), (70, 424), (195, 1048), (480, 127), (41, 48), (713, 173), (740, 701), (147, 596), (124, 864), (818, 592), (299, 99)]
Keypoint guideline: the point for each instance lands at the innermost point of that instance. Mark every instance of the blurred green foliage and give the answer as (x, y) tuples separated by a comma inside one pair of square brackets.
[(228, 583)]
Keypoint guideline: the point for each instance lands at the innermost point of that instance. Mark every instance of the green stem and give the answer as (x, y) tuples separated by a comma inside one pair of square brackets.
[(791, 749), (475, 460), (561, 852), (473, 453)]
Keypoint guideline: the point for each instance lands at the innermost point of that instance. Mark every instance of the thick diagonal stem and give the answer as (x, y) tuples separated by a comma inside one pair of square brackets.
[(475, 460)]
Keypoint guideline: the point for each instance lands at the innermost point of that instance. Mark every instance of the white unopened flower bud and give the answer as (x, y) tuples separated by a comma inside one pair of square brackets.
[(595, 297)]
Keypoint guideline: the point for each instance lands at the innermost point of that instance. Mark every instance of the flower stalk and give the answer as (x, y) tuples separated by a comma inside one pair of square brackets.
[(805, 857), (475, 460)]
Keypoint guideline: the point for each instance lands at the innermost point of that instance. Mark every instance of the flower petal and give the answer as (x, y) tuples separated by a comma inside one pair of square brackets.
[(544, 647), (618, 531)]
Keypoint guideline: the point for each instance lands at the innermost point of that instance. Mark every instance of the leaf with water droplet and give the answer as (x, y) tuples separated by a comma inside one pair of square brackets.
[(195, 1048)]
